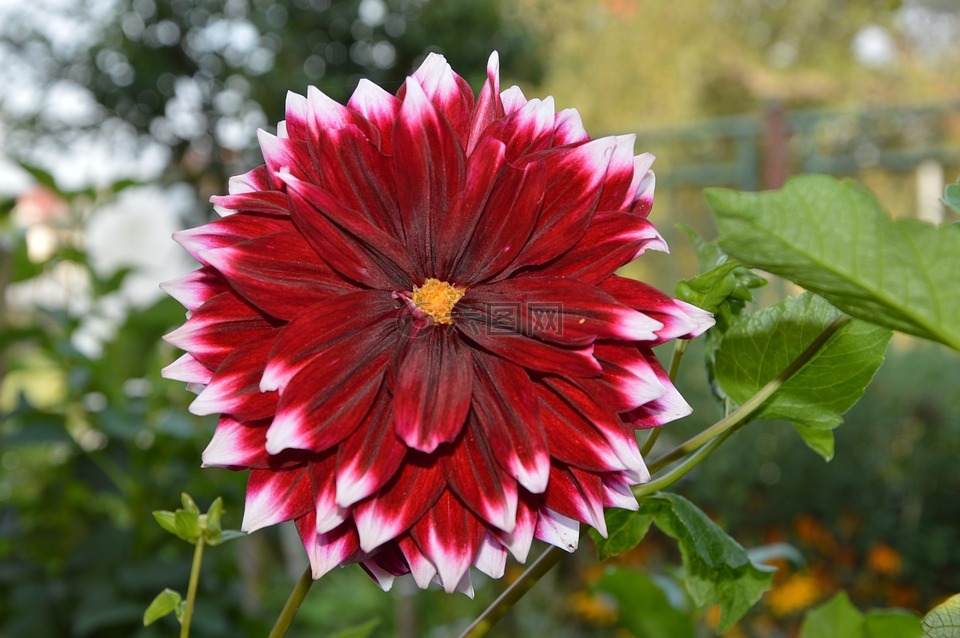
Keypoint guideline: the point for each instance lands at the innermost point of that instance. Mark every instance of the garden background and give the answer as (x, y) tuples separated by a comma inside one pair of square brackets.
[(119, 119)]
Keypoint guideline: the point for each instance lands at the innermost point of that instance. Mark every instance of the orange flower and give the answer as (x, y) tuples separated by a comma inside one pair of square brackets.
[(796, 593), (884, 559)]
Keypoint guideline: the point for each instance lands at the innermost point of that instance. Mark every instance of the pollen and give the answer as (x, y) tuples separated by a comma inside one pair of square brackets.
[(437, 299)]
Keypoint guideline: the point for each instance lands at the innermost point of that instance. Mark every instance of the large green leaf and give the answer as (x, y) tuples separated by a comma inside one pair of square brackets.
[(625, 529), (718, 569), (943, 621), (839, 618), (758, 347), (832, 237)]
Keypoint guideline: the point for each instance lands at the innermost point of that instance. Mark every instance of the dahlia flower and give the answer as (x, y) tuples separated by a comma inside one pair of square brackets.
[(409, 322)]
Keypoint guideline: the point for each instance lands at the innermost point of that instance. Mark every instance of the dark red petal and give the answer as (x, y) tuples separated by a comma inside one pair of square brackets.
[(505, 405), (488, 106), (326, 402), (578, 495), (612, 240), (360, 179), (217, 327), (351, 245), (572, 438), (323, 485), (619, 436), (450, 536), (422, 570), (274, 496), (196, 288), (504, 223), (521, 538), (379, 108), (432, 392), (619, 178), (279, 273), (326, 551), (680, 319), (639, 198), (369, 457), (235, 386), (527, 130), (569, 128), (449, 92), (669, 406), (271, 202), (287, 156), (296, 114), (526, 351), (401, 503), (353, 322), (475, 477), (236, 445), (560, 309), (558, 530), (430, 167), (230, 230), (385, 565), (457, 227), (188, 370), (628, 380), (576, 177)]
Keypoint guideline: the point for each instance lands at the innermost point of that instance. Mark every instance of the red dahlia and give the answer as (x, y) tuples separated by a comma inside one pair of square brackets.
[(409, 322)]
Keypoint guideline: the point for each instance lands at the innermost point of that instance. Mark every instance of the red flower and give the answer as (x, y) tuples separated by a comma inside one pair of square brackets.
[(409, 321)]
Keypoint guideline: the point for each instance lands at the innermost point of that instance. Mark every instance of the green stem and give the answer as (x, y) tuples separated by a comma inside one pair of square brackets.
[(513, 593), (299, 592), (192, 589), (681, 470), (739, 416), (679, 347)]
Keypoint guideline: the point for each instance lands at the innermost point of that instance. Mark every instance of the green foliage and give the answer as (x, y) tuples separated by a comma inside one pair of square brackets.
[(358, 631), (718, 570), (759, 347), (190, 525), (643, 607), (833, 238), (951, 196), (838, 617), (166, 602), (943, 621)]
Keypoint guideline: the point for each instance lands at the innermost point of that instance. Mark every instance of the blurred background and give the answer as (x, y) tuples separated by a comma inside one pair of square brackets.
[(120, 118)]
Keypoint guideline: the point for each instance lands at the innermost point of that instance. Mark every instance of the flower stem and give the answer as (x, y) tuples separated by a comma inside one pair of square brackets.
[(681, 470), (513, 593), (739, 416), (679, 347), (192, 589), (292, 605)]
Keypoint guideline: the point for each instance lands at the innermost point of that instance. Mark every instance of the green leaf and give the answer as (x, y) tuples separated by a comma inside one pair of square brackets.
[(833, 238), (189, 504), (643, 607), (760, 346), (167, 521), (951, 196), (166, 601), (718, 569), (214, 513), (625, 529), (358, 631), (943, 621), (224, 536), (891, 623), (834, 618), (187, 525)]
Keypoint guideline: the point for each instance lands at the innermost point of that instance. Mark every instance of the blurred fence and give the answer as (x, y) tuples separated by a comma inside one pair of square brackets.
[(755, 151)]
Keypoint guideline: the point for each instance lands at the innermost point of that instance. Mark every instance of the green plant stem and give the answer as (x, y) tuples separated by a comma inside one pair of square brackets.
[(498, 609), (299, 592), (681, 470), (740, 416), (192, 589), (679, 347)]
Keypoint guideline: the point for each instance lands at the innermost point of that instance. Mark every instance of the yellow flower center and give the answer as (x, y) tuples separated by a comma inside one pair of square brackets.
[(437, 298)]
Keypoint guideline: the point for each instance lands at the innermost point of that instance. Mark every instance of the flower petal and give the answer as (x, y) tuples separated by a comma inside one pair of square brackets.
[(421, 568), (274, 496), (196, 288), (326, 551), (450, 536), (228, 231), (488, 106), (235, 445), (505, 404), (400, 504), (680, 320), (558, 530), (328, 515), (492, 557), (520, 539), (617, 493), (188, 370), (369, 457), (279, 273), (432, 391), (669, 406), (529, 352), (475, 477), (235, 386), (449, 92), (430, 169), (576, 494), (628, 380), (379, 107)]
